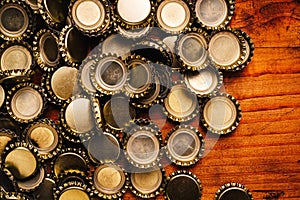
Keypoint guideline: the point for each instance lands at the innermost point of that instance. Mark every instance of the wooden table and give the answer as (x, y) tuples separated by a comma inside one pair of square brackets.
[(264, 152)]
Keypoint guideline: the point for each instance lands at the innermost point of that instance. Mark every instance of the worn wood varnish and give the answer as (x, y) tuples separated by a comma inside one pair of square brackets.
[(264, 152)]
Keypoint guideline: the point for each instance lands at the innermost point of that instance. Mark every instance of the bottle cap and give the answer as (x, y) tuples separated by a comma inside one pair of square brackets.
[(117, 44), (14, 195), (164, 75), (2, 96), (44, 136), (118, 112), (142, 144), (232, 191), (73, 190), (183, 185), (45, 50), (33, 183), (221, 114), (61, 85), (227, 48), (214, 14), (184, 145), (54, 12), (25, 102), (110, 181), (109, 74), (16, 55), (6, 136), (34, 5), (147, 183), (70, 160), (45, 190), (15, 76), (249, 49), (140, 77), (205, 81), (154, 50), (192, 49), (70, 40), (91, 17), (8, 183), (8, 123), (77, 119), (15, 20), (21, 160), (84, 77), (134, 14), (110, 148), (174, 23), (181, 104)]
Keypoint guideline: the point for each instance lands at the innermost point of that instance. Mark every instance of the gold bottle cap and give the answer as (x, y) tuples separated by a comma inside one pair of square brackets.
[(16, 56), (183, 185), (249, 49), (205, 81), (227, 49), (140, 77), (84, 77), (70, 40), (15, 196), (46, 50), (45, 190), (118, 112), (168, 20), (150, 98), (184, 145), (231, 191), (221, 113), (77, 117), (44, 136), (25, 102), (8, 123), (109, 74), (6, 136), (73, 190), (147, 183), (54, 12), (136, 33), (61, 85), (132, 14), (31, 184), (117, 44), (2, 96), (21, 160), (110, 148), (110, 181), (192, 49), (142, 145), (15, 20), (213, 14), (181, 104), (70, 160), (90, 16)]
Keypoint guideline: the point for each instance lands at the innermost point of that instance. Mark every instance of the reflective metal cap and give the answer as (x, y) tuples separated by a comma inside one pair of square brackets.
[(184, 145), (26, 102), (181, 104), (227, 49), (54, 12), (147, 183), (15, 20), (109, 74), (192, 49), (6, 136), (70, 40), (33, 182), (110, 181), (84, 77), (205, 81), (91, 17), (221, 113), (46, 50), (183, 185), (2, 96), (171, 22), (73, 190), (44, 136), (213, 14), (233, 191)]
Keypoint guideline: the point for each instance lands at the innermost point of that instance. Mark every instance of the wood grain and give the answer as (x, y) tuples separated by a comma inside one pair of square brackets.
[(264, 152)]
